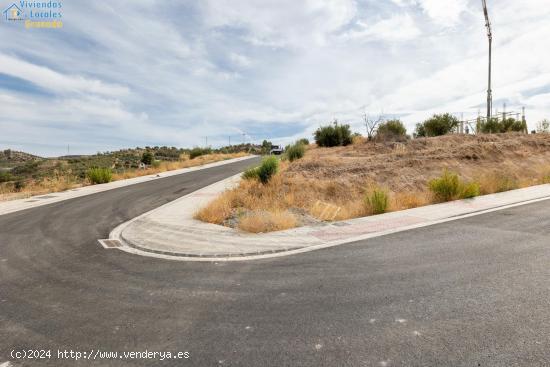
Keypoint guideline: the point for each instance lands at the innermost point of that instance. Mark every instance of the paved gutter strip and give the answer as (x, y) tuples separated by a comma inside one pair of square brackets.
[(170, 232)]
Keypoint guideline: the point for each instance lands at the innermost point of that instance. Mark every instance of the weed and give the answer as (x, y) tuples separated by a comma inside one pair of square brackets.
[(377, 201)]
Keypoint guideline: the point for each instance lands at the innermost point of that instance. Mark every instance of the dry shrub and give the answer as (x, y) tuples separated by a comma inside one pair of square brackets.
[(218, 210), (358, 139), (262, 221)]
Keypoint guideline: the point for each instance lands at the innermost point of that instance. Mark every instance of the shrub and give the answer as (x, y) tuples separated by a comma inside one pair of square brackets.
[(5, 176), (449, 187), (391, 129), (250, 174), (197, 152), (446, 187), (469, 190), (99, 175), (295, 151), (147, 158), (268, 168), (155, 163), (333, 135), (437, 125), (494, 126), (19, 185), (377, 201), (303, 141)]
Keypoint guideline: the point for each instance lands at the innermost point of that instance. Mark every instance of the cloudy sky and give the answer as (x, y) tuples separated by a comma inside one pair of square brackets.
[(146, 72)]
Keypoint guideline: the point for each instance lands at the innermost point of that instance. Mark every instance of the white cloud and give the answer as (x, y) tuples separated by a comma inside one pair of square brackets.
[(400, 27), (54, 81)]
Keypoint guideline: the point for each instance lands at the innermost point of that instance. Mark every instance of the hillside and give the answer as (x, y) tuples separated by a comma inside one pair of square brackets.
[(9, 158), (331, 183)]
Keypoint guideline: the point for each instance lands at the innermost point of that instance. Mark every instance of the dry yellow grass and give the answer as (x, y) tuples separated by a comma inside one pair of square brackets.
[(59, 183), (330, 183), (260, 222)]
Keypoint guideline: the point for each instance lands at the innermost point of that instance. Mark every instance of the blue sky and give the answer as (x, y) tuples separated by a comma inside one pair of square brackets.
[(145, 72)]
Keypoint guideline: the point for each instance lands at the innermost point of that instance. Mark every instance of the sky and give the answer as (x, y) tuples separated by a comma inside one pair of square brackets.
[(190, 73)]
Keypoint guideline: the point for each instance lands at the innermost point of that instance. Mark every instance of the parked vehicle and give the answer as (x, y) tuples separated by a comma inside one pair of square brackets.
[(276, 150)]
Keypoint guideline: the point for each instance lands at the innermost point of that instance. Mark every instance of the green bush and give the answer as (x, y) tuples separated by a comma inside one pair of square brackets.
[(156, 163), (295, 151), (303, 141), (5, 176), (251, 174), (495, 125), (449, 187), (446, 187), (197, 152), (99, 175), (469, 190), (377, 201), (437, 125), (333, 135), (147, 158), (391, 129), (268, 168)]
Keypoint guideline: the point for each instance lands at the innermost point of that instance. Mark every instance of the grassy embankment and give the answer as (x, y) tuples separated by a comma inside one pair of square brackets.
[(363, 178)]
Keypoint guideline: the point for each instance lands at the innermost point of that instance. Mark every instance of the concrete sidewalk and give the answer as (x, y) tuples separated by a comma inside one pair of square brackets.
[(170, 231), (54, 197)]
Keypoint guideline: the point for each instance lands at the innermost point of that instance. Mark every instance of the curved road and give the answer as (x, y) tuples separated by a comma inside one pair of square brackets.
[(473, 292)]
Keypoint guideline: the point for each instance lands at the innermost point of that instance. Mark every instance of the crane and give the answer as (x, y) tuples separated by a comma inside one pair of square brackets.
[(490, 36)]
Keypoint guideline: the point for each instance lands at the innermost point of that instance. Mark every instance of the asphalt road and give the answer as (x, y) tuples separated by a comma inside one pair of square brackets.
[(472, 292)]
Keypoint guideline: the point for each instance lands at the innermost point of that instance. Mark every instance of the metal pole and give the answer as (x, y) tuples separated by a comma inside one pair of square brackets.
[(490, 37)]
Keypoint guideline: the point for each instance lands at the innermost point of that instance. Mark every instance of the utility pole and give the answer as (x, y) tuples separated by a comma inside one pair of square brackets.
[(490, 36)]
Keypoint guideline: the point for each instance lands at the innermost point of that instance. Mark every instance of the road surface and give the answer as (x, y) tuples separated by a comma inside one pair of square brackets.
[(473, 292)]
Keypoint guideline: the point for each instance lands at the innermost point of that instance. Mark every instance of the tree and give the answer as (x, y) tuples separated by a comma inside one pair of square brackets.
[(147, 157), (391, 129), (437, 125), (266, 146), (543, 126), (372, 125)]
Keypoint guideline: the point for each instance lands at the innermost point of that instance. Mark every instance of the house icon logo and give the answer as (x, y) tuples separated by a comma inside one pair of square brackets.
[(13, 13)]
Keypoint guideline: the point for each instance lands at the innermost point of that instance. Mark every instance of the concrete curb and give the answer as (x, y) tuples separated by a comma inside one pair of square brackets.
[(153, 242)]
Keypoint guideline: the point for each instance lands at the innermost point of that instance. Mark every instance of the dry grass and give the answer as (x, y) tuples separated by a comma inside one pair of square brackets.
[(330, 183), (61, 183), (259, 222)]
